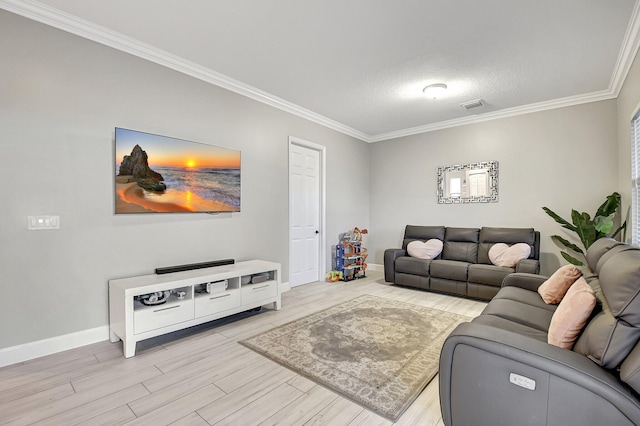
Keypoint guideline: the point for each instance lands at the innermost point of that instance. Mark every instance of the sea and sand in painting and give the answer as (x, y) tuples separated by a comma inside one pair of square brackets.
[(168, 175)]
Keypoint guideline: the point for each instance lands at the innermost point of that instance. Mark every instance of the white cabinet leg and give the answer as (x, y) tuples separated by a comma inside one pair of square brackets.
[(277, 304), (129, 348)]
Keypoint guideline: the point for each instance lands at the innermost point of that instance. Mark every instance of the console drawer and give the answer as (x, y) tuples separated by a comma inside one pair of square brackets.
[(152, 318), (217, 302), (255, 292)]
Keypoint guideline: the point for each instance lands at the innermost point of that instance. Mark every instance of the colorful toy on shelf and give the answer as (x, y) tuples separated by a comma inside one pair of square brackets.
[(357, 234), (333, 276)]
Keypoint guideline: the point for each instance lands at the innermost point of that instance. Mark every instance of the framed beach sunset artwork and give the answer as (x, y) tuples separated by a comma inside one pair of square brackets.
[(160, 174)]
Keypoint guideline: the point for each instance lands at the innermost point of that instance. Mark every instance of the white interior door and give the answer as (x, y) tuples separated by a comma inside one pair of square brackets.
[(305, 213)]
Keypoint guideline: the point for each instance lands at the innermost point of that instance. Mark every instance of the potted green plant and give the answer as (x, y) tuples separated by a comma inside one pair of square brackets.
[(589, 230)]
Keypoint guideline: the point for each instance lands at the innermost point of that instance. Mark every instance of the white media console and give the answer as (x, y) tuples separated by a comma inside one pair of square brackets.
[(249, 285)]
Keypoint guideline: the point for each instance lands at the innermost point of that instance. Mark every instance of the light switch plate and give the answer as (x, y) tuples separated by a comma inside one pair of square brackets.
[(41, 223)]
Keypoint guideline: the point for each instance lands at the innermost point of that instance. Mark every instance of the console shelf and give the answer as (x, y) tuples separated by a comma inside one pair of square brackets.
[(234, 288)]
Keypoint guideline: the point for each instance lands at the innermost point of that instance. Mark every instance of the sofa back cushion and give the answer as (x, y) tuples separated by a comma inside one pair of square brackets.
[(422, 233), (489, 236), (613, 332), (461, 244), (599, 249)]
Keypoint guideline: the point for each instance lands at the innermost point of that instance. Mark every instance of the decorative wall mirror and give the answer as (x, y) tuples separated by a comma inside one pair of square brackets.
[(468, 183)]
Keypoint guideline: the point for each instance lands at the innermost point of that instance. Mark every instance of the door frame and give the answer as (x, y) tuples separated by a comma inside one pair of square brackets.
[(322, 150)]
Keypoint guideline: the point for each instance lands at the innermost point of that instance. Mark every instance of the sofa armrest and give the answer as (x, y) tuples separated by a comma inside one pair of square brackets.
[(390, 256), (494, 376), (526, 281), (528, 266)]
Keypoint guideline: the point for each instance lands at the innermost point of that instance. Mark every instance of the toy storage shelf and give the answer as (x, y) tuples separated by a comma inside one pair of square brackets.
[(350, 259), (233, 288)]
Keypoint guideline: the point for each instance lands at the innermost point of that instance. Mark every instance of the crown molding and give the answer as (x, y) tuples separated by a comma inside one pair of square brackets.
[(628, 51), (83, 28), (503, 113), (58, 19)]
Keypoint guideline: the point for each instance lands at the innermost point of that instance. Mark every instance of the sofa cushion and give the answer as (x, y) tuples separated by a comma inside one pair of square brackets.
[(599, 249), (489, 236), (614, 330), (521, 313), (422, 233), (461, 244), (607, 341), (501, 254), (556, 286), (450, 269), (488, 274), (413, 265), (505, 324), (523, 295), (429, 249), (572, 314), (620, 282)]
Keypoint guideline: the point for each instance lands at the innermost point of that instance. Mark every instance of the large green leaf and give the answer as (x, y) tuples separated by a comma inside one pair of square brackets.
[(568, 244), (588, 230), (584, 228), (571, 259), (610, 206), (603, 224), (560, 220)]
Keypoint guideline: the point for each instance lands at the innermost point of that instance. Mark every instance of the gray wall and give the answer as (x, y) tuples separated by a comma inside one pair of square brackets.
[(564, 158), (60, 98)]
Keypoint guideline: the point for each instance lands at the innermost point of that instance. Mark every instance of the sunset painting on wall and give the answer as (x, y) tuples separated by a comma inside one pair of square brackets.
[(159, 174)]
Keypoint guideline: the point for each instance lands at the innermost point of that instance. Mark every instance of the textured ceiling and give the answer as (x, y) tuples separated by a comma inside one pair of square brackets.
[(360, 65)]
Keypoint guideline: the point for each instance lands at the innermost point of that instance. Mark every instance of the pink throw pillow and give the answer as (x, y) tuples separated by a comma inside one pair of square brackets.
[(501, 254), (429, 249), (572, 314), (555, 287)]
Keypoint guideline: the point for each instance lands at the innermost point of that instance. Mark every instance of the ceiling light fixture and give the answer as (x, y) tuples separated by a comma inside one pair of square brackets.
[(435, 91)]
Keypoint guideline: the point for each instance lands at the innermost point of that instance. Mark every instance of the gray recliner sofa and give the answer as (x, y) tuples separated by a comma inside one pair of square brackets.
[(499, 368), (463, 267)]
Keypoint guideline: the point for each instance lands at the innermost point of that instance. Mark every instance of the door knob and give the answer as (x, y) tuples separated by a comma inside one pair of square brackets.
[(317, 232)]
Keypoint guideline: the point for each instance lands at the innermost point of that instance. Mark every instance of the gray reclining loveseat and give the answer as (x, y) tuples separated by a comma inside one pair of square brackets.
[(463, 267), (499, 368)]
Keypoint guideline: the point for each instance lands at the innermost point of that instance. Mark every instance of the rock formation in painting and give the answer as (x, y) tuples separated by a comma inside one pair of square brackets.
[(137, 165)]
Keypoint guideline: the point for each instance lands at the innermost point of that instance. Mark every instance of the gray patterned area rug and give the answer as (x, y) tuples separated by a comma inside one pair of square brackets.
[(375, 351)]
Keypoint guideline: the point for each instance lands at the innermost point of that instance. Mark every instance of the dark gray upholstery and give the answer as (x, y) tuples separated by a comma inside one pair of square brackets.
[(463, 267), (596, 383)]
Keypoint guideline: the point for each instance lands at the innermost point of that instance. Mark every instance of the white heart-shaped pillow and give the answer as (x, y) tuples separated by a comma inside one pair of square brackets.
[(501, 254), (429, 249)]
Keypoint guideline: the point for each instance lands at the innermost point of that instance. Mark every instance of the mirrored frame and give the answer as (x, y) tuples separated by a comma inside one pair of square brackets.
[(468, 183)]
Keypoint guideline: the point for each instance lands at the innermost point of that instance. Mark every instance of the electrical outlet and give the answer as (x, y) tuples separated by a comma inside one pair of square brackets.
[(40, 223)]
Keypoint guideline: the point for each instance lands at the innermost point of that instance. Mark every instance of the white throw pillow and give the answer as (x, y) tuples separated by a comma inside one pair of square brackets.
[(501, 254), (429, 249)]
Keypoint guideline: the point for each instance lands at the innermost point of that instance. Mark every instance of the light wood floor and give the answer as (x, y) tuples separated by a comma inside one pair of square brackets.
[(202, 376)]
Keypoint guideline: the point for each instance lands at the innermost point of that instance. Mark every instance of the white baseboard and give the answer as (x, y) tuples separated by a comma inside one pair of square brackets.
[(375, 267), (31, 350)]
